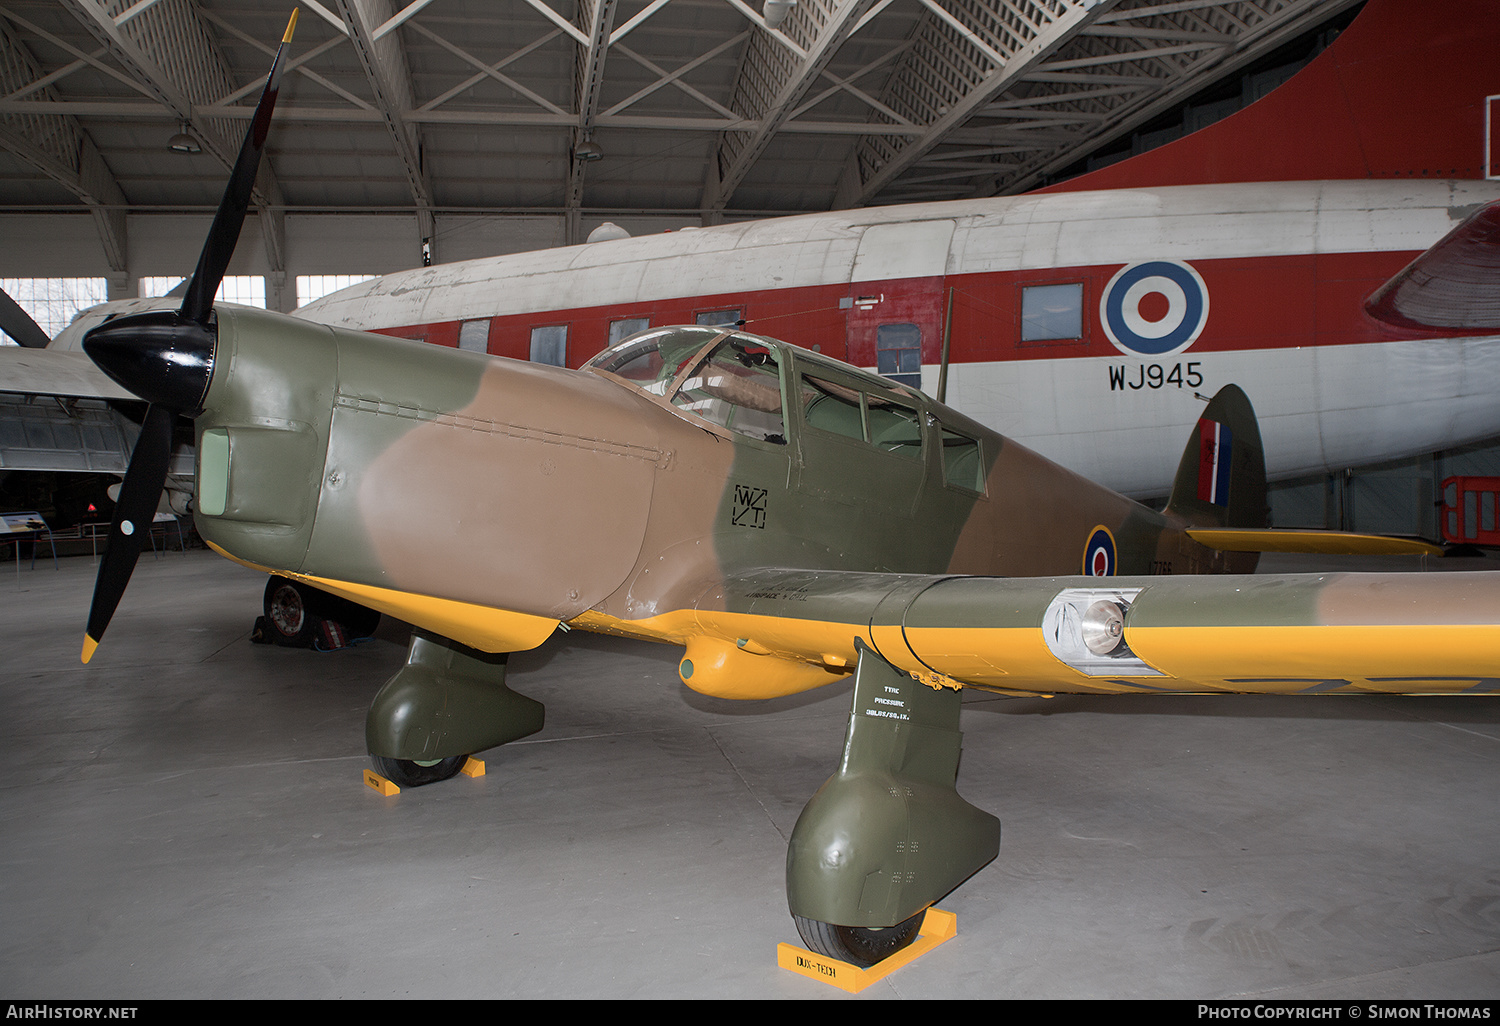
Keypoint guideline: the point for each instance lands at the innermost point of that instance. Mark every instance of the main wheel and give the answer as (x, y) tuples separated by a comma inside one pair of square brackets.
[(406, 773), (858, 945), (296, 612), (289, 612)]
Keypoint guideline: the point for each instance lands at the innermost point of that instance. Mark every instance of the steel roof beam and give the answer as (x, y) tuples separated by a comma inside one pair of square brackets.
[(1263, 25), (296, 64), (961, 63), (773, 83), (913, 107), (493, 71), (169, 50), (58, 146), (1107, 66), (487, 71), (389, 75), (518, 119), (597, 18), (673, 78), (847, 85)]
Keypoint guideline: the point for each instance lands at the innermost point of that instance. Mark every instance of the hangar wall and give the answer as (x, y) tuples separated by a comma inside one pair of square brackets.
[(1400, 498), (66, 244)]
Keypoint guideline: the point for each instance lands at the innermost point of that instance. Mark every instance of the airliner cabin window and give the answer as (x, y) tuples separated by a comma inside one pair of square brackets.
[(475, 335), (898, 353), (727, 318), (624, 328), (549, 344), (1052, 313)]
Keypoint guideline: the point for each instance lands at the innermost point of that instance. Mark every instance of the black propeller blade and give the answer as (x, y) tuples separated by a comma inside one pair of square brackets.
[(134, 511), (166, 357), (19, 325), (198, 301)]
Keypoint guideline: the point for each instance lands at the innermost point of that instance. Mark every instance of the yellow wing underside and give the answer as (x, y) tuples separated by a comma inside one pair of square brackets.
[(759, 655)]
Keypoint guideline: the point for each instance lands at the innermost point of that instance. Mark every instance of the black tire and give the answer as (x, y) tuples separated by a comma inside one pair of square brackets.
[(405, 773), (295, 613), (858, 945), (290, 616)]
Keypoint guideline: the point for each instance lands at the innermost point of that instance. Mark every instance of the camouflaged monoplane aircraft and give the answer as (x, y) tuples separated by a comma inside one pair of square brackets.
[(785, 518)]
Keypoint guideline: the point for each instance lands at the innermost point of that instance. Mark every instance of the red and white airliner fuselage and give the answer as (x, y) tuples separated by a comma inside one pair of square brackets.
[(1085, 325)]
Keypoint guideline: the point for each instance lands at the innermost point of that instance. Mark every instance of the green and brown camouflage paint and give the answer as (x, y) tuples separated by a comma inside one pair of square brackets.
[(487, 501)]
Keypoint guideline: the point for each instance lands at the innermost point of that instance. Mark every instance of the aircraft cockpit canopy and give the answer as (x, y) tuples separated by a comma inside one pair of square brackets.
[(728, 378)]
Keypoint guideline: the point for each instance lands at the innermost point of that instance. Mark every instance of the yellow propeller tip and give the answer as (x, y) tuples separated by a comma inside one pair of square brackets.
[(89, 644), (290, 25)]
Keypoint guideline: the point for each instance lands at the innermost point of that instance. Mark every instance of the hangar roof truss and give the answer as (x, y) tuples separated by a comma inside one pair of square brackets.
[(699, 107)]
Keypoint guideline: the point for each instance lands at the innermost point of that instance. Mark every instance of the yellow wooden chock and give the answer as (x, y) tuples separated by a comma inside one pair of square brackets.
[(937, 926), (380, 784)]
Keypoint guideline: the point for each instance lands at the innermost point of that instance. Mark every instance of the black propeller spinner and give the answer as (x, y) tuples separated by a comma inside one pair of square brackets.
[(167, 357)]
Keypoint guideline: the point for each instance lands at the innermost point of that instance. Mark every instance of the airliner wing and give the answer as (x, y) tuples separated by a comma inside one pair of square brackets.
[(57, 433), (51, 372), (1410, 633), (1454, 285)]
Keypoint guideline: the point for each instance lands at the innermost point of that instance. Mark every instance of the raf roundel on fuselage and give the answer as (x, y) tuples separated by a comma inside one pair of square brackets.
[(1131, 308)]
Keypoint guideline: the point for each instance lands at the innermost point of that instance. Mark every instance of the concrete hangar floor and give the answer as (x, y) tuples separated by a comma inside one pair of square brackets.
[(185, 817)]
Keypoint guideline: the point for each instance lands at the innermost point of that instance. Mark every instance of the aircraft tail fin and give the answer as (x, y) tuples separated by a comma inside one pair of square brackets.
[(1221, 481)]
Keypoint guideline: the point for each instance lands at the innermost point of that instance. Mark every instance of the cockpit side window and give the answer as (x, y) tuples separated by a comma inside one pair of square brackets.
[(727, 378), (737, 386), (962, 461), (832, 407), (651, 362), (894, 427), (865, 415)]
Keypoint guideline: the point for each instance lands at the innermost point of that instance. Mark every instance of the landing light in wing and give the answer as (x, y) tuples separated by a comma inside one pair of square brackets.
[(1085, 628)]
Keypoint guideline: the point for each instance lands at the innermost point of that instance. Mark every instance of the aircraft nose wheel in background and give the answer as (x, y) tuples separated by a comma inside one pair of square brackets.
[(858, 945), (296, 615), (287, 612)]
